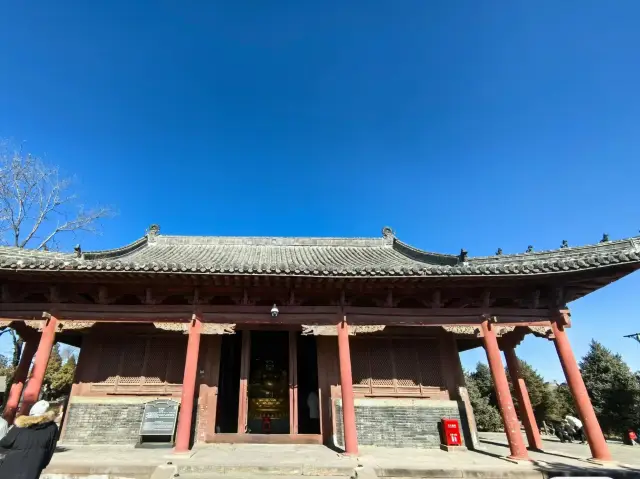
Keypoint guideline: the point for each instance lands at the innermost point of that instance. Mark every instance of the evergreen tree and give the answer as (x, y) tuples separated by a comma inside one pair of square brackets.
[(566, 404), (5, 367), (543, 400), (63, 379), (484, 382), (53, 366), (480, 389), (613, 388)]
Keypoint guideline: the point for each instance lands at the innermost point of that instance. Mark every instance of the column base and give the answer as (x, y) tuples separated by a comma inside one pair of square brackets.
[(351, 454), (175, 453), (517, 460)]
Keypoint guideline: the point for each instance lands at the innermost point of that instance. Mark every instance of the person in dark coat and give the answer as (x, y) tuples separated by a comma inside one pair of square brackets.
[(28, 446)]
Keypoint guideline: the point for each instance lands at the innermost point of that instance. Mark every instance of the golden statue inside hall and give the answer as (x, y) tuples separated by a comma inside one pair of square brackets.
[(268, 392)]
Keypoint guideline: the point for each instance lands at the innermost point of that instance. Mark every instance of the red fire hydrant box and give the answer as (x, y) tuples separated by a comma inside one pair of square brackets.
[(451, 433)]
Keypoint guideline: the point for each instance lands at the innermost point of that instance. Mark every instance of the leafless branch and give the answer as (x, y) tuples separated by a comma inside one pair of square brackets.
[(36, 204)]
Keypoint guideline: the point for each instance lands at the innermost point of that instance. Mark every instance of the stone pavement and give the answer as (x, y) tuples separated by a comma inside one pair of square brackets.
[(497, 441), (306, 461)]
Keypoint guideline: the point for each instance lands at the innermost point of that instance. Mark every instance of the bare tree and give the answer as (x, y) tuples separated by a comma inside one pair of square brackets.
[(36, 208), (36, 205)]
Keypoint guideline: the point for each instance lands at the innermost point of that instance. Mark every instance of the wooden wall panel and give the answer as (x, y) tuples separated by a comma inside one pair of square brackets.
[(447, 365), (328, 382), (393, 366), (131, 365), (293, 382), (208, 380), (243, 400)]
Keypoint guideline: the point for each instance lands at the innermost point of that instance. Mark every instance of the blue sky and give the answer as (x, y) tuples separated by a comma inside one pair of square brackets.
[(460, 124)]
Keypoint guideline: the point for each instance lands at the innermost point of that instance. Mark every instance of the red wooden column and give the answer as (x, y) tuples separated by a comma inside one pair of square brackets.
[(346, 386), (509, 417), (19, 378), (34, 385), (183, 433), (524, 403), (597, 443)]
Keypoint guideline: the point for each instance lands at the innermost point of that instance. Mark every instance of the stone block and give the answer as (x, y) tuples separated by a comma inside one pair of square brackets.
[(96, 423), (400, 422)]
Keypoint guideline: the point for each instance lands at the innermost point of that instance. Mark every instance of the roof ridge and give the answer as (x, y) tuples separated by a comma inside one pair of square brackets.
[(116, 252), (534, 255), (423, 256), (270, 240)]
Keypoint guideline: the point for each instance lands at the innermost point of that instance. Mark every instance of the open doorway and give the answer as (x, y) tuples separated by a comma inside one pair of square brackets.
[(308, 401), (229, 385), (268, 386)]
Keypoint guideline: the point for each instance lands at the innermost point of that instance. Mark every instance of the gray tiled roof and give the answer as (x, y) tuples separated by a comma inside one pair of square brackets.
[(337, 257)]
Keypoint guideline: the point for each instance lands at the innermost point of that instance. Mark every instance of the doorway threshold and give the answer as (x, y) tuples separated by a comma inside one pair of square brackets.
[(264, 438)]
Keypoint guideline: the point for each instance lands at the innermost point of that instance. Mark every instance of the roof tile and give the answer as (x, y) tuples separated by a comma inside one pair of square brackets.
[(369, 257)]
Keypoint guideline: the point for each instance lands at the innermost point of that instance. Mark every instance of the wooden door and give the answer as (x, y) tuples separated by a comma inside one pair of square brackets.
[(243, 400)]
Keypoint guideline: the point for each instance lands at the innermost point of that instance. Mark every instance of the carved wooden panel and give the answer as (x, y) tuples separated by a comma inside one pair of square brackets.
[(396, 367), (138, 365)]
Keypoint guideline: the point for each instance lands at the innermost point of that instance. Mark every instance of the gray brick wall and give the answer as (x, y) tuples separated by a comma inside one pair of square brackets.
[(401, 422), (96, 423)]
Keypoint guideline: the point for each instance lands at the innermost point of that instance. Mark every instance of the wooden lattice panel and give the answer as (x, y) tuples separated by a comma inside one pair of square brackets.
[(133, 351), (430, 364), (405, 359), (381, 365), (396, 366), (139, 365), (360, 371), (109, 362), (157, 361), (176, 351)]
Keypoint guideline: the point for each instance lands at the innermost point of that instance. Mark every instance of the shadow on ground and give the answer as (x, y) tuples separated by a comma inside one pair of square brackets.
[(546, 462), (548, 453), (560, 469)]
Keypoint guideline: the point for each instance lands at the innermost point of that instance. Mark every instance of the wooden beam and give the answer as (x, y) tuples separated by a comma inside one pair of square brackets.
[(289, 315), (25, 332), (103, 295), (447, 312)]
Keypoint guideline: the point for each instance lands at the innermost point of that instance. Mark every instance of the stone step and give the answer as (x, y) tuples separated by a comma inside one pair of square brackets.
[(280, 470), (78, 471), (208, 475)]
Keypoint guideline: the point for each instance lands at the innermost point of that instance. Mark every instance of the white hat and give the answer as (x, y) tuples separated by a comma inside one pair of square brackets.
[(39, 408)]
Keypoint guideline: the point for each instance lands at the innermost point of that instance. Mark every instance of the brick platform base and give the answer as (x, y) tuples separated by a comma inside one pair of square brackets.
[(104, 420), (401, 422)]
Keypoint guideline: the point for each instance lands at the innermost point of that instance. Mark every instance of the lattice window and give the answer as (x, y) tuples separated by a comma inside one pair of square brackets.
[(405, 357), (139, 365), (157, 362), (430, 377), (382, 375), (396, 366), (109, 362), (176, 356), (360, 370), (132, 357)]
